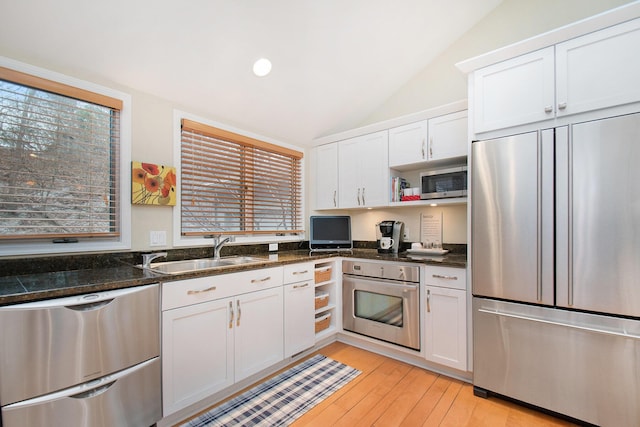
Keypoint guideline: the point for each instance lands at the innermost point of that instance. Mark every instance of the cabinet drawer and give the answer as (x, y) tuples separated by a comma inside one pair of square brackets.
[(127, 398), (298, 272), (203, 289), (446, 277), (194, 291)]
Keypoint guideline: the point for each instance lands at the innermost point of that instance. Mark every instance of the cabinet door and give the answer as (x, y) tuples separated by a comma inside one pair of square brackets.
[(599, 70), (259, 341), (448, 136), (514, 92), (446, 326), (197, 353), (408, 144), (299, 329), (326, 182), (349, 191), (374, 168)]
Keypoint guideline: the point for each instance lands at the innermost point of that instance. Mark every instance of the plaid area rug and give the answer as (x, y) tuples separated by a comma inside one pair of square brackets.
[(282, 399)]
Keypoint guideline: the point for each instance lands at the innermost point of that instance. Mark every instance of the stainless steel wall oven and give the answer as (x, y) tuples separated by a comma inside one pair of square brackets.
[(382, 300)]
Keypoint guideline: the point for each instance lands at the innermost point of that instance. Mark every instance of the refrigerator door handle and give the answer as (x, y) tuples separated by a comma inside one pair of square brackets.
[(539, 219), (570, 219), (566, 325)]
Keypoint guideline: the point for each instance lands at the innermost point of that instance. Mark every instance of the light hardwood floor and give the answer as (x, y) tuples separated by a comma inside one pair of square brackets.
[(392, 393)]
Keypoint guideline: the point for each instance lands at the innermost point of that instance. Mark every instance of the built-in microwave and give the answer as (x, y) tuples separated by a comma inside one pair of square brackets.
[(444, 183)]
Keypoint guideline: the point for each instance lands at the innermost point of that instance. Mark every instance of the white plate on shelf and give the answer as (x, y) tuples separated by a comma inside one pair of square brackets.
[(424, 251)]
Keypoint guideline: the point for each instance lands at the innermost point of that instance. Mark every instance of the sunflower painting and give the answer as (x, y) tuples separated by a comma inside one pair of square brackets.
[(153, 184)]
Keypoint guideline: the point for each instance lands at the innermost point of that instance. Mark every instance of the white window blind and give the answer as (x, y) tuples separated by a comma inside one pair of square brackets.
[(233, 184), (59, 160)]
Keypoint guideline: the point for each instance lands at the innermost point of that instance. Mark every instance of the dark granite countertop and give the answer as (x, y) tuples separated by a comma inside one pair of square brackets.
[(123, 274)]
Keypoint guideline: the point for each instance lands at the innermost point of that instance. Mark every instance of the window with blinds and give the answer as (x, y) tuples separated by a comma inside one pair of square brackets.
[(233, 184), (59, 160)]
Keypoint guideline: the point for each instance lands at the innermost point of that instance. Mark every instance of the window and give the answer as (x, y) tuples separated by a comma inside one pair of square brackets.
[(234, 184), (60, 165)]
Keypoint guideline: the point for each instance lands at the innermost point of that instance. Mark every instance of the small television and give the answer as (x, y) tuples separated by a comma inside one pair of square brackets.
[(330, 233)]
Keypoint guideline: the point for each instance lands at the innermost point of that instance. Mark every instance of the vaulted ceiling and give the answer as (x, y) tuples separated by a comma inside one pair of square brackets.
[(334, 61)]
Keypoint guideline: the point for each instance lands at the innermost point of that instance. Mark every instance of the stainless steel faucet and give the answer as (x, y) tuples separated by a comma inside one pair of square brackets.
[(147, 258), (218, 244)]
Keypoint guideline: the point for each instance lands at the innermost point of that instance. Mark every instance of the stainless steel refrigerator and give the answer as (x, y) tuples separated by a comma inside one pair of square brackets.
[(556, 269)]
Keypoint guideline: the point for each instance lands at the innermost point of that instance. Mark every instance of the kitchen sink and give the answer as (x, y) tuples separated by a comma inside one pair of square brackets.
[(191, 265)]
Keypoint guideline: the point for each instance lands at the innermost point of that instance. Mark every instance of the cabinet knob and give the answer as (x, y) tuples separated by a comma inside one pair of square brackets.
[(548, 109), (562, 106)]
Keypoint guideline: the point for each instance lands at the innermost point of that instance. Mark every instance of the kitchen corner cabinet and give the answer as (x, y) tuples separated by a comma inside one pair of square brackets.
[(586, 73), (446, 316), (299, 333), (218, 330), (363, 170), (326, 174), (438, 138)]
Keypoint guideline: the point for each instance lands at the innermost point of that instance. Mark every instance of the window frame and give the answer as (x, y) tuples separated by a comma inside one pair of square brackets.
[(180, 240), (30, 246)]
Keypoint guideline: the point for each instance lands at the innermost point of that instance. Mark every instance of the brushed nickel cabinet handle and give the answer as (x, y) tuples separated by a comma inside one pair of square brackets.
[(239, 312), (199, 291), (261, 280), (231, 315), (301, 272), (440, 276), (428, 301), (300, 286)]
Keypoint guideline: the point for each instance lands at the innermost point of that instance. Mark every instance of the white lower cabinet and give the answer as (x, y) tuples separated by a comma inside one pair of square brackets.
[(197, 353), (299, 332), (218, 330), (258, 329), (446, 317)]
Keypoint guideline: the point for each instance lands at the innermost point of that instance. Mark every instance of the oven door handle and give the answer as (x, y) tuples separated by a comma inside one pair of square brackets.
[(381, 282)]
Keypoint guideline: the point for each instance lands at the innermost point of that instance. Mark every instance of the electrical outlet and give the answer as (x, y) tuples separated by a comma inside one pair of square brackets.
[(273, 247), (406, 233), (158, 238)]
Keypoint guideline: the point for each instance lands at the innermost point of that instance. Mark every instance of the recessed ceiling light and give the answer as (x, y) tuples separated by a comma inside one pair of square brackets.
[(262, 67)]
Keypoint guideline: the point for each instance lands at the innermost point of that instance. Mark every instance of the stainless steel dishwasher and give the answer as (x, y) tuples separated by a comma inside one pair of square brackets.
[(88, 360)]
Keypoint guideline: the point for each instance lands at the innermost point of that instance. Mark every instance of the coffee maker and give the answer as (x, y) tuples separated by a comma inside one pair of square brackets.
[(390, 235)]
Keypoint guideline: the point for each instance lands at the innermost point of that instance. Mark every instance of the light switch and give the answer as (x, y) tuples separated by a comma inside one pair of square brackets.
[(158, 238)]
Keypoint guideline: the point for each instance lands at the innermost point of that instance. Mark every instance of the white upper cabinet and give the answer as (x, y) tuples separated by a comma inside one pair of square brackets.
[(364, 171), (438, 138), (514, 92), (408, 144), (599, 70), (591, 72), (448, 136), (326, 176)]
